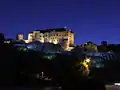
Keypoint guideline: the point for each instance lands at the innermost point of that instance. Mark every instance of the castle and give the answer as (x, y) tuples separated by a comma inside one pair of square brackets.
[(62, 36)]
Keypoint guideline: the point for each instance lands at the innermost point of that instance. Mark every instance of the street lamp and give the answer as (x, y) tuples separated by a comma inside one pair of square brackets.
[(87, 60), (42, 74)]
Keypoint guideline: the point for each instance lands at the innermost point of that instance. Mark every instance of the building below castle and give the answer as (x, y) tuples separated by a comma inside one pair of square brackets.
[(62, 36)]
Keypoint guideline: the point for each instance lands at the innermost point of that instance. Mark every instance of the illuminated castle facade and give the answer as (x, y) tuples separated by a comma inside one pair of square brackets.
[(62, 36)]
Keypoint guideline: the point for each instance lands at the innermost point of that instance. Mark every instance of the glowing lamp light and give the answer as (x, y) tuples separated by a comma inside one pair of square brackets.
[(87, 60), (42, 41), (55, 42), (117, 84), (50, 41)]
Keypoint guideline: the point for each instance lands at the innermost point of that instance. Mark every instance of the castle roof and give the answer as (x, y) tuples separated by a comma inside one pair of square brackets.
[(54, 29)]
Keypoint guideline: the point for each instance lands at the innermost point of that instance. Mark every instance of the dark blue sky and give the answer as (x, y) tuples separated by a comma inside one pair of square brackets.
[(93, 20)]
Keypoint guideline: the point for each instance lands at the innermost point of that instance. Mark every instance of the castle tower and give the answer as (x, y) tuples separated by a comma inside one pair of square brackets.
[(64, 43), (19, 37), (30, 36)]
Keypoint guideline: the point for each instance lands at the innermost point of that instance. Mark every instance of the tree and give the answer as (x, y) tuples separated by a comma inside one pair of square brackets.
[(77, 49), (70, 71), (89, 42), (68, 68), (2, 38), (103, 47), (104, 43), (89, 47), (83, 67)]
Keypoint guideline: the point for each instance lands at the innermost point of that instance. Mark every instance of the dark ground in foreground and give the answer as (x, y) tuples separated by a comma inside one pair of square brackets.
[(110, 87)]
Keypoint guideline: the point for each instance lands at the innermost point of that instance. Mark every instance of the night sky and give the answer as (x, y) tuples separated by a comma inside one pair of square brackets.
[(93, 20)]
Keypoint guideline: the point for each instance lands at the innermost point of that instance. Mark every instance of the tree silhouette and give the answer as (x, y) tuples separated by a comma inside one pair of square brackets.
[(104, 43), (2, 38), (89, 42)]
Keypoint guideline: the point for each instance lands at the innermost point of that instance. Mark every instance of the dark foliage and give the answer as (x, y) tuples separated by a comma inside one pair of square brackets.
[(20, 67)]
